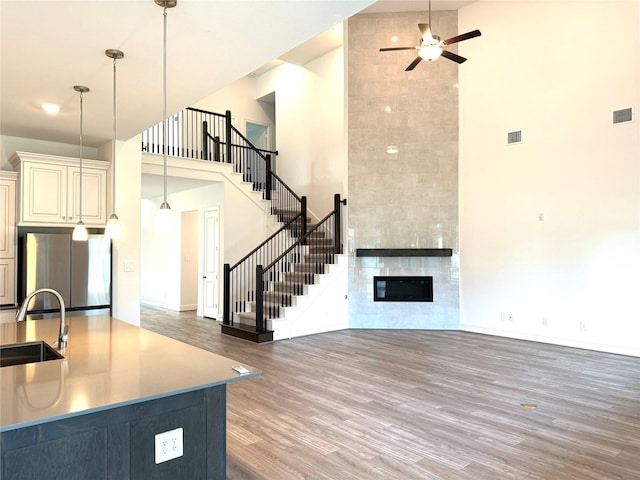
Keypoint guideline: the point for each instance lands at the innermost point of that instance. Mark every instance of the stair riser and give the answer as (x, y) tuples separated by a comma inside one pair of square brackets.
[(278, 297), (286, 287), (315, 268), (300, 277)]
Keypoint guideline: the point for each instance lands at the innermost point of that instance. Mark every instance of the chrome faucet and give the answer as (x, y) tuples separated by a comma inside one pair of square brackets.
[(63, 333)]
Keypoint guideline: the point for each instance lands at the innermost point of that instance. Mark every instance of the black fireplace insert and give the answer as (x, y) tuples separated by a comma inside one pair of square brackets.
[(403, 289)]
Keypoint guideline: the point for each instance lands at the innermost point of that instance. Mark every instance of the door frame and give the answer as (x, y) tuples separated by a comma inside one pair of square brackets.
[(203, 260)]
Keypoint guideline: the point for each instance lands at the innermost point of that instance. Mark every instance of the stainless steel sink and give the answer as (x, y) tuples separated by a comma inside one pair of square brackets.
[(28, 352)]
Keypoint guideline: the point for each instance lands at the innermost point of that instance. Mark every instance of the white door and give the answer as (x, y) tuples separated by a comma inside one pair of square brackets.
[(210, 280)]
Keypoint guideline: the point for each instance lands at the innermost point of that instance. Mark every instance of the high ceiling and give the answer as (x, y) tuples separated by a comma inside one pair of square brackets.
[(48, 46)]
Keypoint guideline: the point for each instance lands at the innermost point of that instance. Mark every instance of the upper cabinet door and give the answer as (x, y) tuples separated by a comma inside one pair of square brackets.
[(50, 190), (44, 193), (94, 195), (7, 214)]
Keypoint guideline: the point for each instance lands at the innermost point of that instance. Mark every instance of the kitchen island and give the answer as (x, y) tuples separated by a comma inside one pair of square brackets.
[(96, 413)]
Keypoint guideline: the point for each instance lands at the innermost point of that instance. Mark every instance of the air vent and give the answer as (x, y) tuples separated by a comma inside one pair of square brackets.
[(622, 116), (514, 137)]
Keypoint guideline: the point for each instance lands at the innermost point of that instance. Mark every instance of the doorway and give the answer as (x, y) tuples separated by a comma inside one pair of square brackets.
[(259, 134), (210, 263)]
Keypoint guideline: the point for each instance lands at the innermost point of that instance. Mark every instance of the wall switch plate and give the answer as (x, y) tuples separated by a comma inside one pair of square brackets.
[(169, 445), (129, 266)]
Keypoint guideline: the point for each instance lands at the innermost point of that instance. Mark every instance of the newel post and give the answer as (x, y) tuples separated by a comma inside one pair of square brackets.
[(337, 228), (268, 182), (205, 141), (227, 128), (226, 300), (303, 208), (216, 149), (259, 299)]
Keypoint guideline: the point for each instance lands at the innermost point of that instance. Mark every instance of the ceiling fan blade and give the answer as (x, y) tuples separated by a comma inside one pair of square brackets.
[(390, 49), (453, 56), (425, 31), (413, 64), (464, 36)]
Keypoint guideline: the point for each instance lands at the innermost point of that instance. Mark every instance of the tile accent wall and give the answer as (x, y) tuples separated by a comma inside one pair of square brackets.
[(408, 199)]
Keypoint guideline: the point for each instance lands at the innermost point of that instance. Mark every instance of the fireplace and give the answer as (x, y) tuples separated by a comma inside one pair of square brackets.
[(403, 289)]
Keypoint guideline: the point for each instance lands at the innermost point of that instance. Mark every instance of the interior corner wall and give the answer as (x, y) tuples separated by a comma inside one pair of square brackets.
[(9, 145), (160, 258), (189, 278), (125, 288), (550, 227), (240, 99), (408, 199), (310, 134)]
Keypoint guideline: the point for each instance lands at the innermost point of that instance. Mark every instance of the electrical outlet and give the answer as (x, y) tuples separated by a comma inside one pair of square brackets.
[(169, 445), (506, 317), (545, 321), (583, 326)]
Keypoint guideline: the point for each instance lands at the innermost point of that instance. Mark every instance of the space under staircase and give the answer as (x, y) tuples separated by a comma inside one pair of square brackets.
[(269, 282)]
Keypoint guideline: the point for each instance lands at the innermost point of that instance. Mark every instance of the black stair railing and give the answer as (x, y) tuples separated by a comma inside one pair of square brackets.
[(239, 279), (275, 283), (190, 134), (294, 254)]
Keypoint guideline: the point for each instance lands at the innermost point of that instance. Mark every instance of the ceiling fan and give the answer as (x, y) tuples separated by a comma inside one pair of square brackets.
[(430, 47)]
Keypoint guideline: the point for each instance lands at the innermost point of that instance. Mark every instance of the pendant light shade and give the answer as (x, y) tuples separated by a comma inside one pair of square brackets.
[(163, 220), (80, 231), (113, 229)]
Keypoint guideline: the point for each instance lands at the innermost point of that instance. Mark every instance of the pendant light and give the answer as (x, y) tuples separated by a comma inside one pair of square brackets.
[(80, 231), (113, 229), (164, 214)]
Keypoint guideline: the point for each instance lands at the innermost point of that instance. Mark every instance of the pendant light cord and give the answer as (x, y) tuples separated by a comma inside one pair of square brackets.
[(113, 140), (164, 99), (81, 96)]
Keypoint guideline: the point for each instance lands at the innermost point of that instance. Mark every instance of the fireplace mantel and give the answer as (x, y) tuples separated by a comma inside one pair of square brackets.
[(404, 252)]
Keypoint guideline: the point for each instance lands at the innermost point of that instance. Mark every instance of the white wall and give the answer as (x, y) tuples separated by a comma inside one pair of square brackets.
[(162, 281), (556, 71), (189, 278), (240, 98), (310, 133), (125, 289), (243, 226), (9, 145)]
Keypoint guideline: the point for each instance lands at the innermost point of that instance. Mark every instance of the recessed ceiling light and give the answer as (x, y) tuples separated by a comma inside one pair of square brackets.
[(394, 38), (392, 149), (387, 109), (51, 108)]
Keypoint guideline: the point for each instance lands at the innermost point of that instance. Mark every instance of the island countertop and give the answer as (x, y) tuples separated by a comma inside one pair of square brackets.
[(108, 363)]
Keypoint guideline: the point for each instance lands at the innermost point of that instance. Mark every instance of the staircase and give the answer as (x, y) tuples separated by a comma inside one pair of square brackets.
[(267, 290), (287, 286), (315, 270)]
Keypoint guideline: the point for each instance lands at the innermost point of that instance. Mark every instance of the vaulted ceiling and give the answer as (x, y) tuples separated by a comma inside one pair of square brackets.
[(48, 46)]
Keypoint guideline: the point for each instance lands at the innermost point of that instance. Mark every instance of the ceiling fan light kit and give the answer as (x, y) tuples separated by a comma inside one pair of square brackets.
[(431, 46)]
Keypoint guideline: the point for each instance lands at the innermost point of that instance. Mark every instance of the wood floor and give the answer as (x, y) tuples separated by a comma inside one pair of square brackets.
[(374, 404)]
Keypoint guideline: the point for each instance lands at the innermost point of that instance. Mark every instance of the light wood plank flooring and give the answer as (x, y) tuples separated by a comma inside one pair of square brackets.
[(374, 404)]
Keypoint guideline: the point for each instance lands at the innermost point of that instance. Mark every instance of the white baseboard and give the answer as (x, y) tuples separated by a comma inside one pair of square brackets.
[(565, 342)]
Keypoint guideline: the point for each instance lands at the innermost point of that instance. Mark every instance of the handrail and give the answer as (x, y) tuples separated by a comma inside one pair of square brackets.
[(287, 226), (209, 136), (272, 287), (300, 241)]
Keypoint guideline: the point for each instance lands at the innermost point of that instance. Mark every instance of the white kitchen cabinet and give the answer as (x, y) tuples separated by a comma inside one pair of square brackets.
[(7, 281), (8, 237), (50, 190)]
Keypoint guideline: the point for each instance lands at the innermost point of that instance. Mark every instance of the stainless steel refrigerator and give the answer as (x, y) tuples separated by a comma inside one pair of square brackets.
[(79, 271)]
